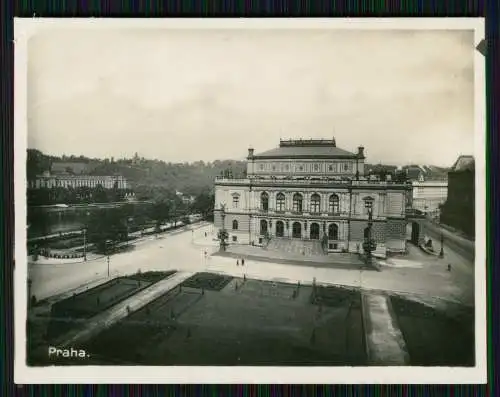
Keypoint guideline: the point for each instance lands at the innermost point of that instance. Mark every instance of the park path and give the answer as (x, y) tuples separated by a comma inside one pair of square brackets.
[(123, 309), (385, 344)]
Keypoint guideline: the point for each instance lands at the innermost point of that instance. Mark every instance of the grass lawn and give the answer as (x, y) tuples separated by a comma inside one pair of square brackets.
[(207, 281), (433, 338), (253, 323), (66, 313)]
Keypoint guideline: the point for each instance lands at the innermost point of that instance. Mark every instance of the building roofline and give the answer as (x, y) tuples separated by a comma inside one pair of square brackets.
[(306, 157)]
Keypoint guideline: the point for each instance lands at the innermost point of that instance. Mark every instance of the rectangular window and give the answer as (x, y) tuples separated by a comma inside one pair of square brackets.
[(235, 238), (236, 200)]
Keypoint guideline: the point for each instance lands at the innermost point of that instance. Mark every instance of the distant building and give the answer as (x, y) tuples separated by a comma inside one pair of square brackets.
[(311, 190), (428, 196), (459, 209), (48, 181), (185, 198), (429, 188)]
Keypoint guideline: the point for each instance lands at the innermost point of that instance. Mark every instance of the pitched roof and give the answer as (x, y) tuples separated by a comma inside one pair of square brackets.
[(69, 167), (306, 149), (464, 163), (413, 173)]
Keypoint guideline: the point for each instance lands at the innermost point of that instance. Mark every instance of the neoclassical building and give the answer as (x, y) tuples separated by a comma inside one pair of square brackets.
[(311, 190)]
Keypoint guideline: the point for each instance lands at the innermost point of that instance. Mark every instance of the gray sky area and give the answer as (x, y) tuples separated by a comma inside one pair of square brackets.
[(187, 95)]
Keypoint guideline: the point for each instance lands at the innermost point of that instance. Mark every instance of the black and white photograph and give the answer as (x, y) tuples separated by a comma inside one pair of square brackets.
[(250, 201)]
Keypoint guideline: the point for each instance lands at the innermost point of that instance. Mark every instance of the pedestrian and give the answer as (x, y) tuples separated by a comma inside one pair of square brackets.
[(242, 262), (237, 262), (449, 267), (205, 234)]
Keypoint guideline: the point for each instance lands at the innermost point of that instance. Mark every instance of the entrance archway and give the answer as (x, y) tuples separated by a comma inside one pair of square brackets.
[(314, 233), (297, 230), (263, 227), (280, 229), (333, 232), (415, 232)]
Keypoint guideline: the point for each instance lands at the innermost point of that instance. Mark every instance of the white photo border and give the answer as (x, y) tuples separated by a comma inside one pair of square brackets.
[(24, 28)]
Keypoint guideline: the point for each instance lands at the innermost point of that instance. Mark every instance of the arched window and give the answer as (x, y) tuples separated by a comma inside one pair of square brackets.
[(333, 204), (264, 201), (333, 232), (280, 202), (315, 203), (263, 227), (235, 225), (297, 202)]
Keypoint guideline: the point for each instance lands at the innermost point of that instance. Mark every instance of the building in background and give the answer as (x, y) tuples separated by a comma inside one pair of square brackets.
[(75, 175), (428, 196), (48, 181), (312, 190), (429, 188), (459, 209)]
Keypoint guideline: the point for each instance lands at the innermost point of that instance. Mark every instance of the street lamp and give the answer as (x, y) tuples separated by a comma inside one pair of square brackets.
[(222, 232), (85, 236), (441, 251), (369, 244), (84, 243)]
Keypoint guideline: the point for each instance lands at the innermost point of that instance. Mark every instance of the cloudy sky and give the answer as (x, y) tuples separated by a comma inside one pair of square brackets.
[(187, 95)]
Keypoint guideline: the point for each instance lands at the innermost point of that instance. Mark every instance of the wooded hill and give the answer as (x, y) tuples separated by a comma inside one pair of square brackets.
[(146, 176)]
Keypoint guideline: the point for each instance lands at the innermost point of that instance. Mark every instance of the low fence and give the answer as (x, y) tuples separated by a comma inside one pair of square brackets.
[(57, 255)]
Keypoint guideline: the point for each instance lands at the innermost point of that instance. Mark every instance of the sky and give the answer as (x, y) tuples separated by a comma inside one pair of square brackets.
[(189, 95)]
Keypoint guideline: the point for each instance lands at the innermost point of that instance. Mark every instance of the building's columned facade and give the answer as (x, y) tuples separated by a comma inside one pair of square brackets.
[(75, 181), (311, 190)]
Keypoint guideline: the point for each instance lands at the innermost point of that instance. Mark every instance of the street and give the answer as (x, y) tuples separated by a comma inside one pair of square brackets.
[(184, 251), (453, 242)]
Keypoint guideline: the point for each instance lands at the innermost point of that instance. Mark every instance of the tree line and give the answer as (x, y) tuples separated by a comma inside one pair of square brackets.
[(148, 178)]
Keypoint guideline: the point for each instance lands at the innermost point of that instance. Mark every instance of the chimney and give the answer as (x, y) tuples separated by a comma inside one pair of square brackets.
[(361, 152), (250, 153)]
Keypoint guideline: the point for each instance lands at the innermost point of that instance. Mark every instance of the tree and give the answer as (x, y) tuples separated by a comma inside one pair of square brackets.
[(161, 212), (100, 195), (204, 204), (107, 225)]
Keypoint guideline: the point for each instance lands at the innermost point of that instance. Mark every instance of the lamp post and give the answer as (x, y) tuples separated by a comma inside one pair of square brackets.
[(369, 245), (85, 244), (222, 232), (107, 259), (441, 251), (85, 236)]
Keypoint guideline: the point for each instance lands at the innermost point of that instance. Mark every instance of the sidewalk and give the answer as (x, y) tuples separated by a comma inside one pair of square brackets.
[(385, 344), (54, 235), (432, 279), (92, 257)]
